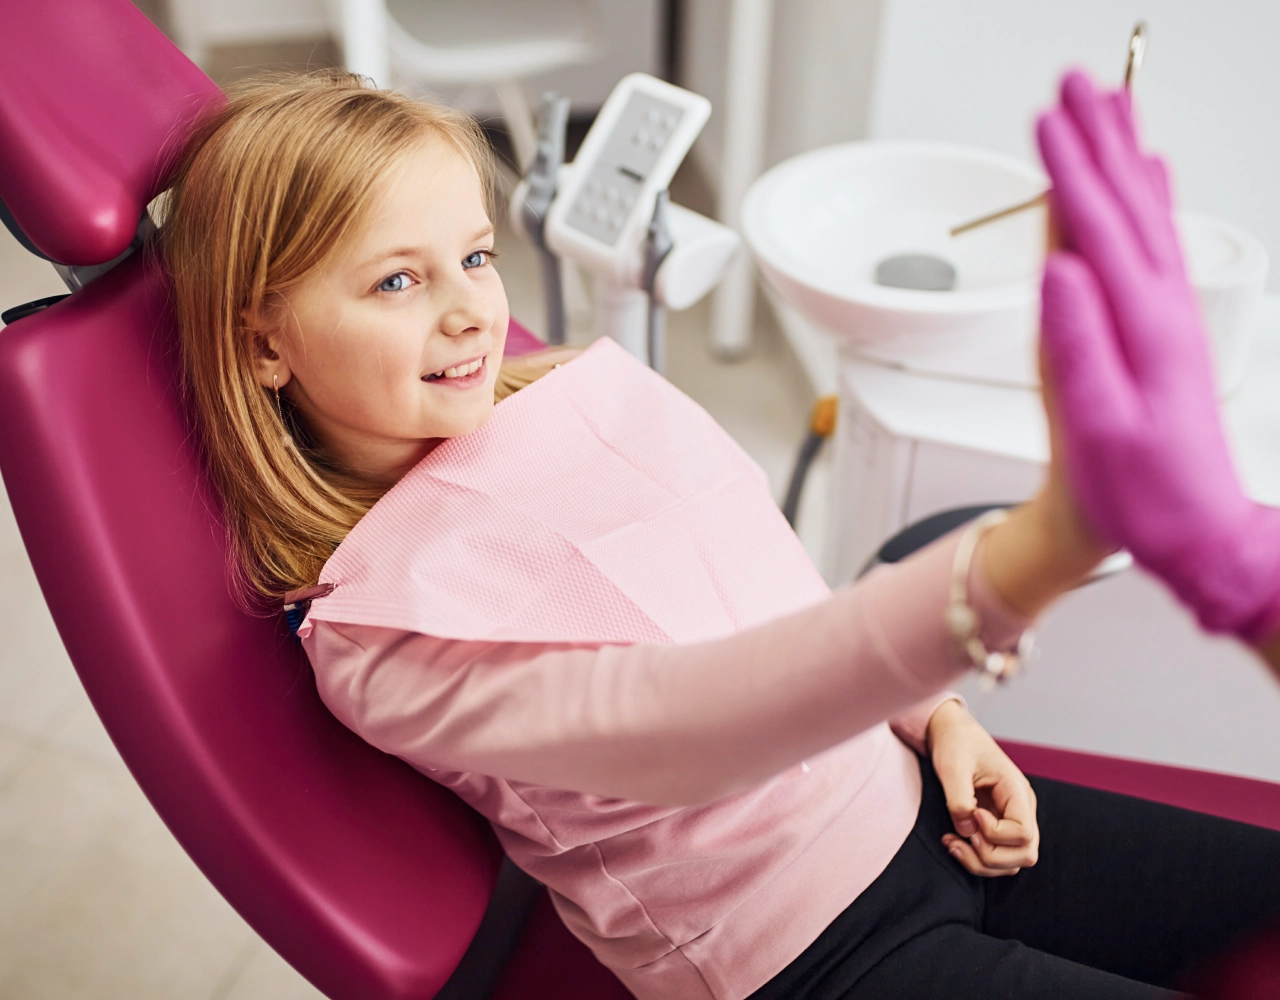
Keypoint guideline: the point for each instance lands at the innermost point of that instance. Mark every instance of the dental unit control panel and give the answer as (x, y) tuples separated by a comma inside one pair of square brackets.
[(640, 137), (609, 213)]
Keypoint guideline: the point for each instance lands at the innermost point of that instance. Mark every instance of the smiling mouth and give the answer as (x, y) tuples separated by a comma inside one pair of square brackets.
[(457, 371)]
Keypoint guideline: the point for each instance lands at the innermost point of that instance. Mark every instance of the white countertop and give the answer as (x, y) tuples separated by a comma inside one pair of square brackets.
[(1010, 422)]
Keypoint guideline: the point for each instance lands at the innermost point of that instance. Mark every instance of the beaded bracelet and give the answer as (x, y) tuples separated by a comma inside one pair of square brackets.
[(994, 667)]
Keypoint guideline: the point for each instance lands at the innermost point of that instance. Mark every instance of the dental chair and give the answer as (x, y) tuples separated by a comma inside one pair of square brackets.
[(371, 880)]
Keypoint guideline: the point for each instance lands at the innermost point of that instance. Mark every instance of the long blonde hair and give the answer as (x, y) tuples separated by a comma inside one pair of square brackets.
[(267, 189)]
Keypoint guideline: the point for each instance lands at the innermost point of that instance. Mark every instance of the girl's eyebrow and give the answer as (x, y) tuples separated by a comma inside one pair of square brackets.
[(415, 251)]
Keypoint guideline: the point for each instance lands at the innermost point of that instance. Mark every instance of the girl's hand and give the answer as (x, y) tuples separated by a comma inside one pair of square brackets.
[(1128, 361), (991, 802)]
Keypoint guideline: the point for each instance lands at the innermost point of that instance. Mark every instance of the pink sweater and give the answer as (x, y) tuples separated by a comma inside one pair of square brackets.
[(699, 812)]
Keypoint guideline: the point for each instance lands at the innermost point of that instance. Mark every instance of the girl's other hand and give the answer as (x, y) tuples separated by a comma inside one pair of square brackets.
[(991, 802), (1130, 378)]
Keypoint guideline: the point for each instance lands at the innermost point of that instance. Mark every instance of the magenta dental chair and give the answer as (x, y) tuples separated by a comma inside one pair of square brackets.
[(372, 881)]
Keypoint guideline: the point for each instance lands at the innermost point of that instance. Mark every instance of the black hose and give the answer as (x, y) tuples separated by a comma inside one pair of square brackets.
[(808, 452)]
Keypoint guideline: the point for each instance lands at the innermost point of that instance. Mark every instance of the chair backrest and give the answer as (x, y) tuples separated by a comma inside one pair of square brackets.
[(93, 102), (364, 875)]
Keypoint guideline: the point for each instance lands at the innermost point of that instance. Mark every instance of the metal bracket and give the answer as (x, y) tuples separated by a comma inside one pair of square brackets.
[(542, 181)]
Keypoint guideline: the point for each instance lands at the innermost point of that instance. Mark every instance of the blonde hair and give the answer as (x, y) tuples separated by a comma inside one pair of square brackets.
[(266, 190)]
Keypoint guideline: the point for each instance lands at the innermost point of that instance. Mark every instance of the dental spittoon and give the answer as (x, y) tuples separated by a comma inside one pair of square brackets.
[(929, 273)]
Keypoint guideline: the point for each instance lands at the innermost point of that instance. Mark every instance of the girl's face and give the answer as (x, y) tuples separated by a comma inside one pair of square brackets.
[(395, 343)]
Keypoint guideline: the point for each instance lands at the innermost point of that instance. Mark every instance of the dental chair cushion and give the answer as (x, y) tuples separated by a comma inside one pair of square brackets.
[(520, 341), (1246, 800), (91, 95), (365, 876)]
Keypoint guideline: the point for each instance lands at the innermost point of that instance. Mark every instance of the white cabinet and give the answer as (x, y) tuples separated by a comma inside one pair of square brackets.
[(1123, 668)]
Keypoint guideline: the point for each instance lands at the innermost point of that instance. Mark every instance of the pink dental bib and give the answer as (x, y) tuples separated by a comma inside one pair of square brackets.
[(599, 505)]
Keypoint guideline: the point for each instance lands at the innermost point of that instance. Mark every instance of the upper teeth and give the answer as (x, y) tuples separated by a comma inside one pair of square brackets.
[(461, 370)]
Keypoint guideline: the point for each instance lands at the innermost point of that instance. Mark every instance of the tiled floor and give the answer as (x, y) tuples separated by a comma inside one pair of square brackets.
[(97, 901)]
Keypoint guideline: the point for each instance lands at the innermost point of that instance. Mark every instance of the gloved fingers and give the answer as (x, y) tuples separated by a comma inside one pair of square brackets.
[(1158, 171), (1155, 183), (1105, 123), (1156, 167), (1126, 126), (1090, 219), (1094, 389)]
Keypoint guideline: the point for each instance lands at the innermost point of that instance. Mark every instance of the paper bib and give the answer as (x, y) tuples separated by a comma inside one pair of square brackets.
[(597, 505)]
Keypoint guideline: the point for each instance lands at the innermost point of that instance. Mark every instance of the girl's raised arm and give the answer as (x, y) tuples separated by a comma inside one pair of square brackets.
[(663, 724)]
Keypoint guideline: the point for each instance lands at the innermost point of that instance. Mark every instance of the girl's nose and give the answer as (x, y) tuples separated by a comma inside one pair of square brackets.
[(468, 308)]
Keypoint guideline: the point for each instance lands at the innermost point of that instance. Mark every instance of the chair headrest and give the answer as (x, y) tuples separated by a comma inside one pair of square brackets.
[(94, 103)]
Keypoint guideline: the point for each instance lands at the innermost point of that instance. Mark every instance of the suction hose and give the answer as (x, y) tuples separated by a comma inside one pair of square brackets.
[(657, 245), (822, 424)]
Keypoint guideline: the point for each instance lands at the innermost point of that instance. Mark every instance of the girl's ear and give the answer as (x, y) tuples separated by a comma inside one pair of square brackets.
[(269, 365)]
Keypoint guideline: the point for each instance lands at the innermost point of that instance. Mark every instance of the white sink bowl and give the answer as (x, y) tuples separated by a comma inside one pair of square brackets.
[(819, 223)]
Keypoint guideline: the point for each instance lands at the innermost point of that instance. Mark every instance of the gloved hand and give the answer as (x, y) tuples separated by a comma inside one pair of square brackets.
[(1127, 357)]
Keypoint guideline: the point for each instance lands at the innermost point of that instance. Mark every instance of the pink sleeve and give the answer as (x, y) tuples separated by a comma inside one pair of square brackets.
[(664, 724)]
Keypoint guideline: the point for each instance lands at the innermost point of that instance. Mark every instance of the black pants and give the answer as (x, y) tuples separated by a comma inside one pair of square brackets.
[(1129, 899)]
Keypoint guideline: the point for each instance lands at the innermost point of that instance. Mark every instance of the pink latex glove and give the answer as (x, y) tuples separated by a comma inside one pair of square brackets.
[(1128, 362)]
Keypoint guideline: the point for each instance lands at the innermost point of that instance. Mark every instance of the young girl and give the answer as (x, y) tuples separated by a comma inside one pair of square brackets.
[(581, 611)]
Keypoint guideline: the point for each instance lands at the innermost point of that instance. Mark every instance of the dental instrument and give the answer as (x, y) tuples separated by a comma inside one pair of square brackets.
[(927, 272)]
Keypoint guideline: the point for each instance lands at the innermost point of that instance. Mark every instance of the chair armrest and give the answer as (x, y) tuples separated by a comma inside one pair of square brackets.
[(916, 536), (928, 530), (1231, 796)]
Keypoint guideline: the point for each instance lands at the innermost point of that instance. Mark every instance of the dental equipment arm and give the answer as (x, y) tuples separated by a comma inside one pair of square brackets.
[(607, 211), (539, 191), (609, 215), (657, 246), (1131, 377)]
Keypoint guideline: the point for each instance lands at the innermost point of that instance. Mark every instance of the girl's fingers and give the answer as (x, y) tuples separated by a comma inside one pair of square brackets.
[(1005, 858), (955, 774), (964, 853), (1014, 798), (1003, 832), (996, 856)]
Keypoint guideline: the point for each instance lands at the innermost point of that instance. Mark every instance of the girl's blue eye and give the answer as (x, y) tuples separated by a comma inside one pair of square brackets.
[(477, 259), (397, 282)]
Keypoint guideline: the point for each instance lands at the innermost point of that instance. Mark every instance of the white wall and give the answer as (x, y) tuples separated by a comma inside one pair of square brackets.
[(976, 72), (199, 24), (704, 56), (820, 83), (631, 41), (630, 31)]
